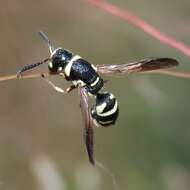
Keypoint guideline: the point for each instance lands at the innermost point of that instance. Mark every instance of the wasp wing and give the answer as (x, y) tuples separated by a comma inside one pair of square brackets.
[(88, 130), (143, 65)]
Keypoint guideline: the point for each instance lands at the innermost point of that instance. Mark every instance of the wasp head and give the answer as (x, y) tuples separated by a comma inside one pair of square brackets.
[(59, 59)]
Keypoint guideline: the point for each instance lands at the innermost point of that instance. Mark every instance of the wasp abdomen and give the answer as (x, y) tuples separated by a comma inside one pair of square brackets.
[(105, 111)]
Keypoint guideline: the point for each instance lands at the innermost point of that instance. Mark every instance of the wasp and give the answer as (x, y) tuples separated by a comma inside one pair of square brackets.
[(86, 77)]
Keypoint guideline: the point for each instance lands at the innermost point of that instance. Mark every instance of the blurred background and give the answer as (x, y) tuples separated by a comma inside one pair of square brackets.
[(41, 140)]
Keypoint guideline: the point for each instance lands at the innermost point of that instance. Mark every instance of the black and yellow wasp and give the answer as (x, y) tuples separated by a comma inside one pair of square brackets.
[(86, 78)]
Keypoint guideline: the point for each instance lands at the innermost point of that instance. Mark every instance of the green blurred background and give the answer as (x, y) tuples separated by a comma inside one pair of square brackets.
[(41, 141)]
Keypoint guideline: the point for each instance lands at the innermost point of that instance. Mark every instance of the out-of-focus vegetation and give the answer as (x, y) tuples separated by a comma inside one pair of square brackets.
[(41, 144)]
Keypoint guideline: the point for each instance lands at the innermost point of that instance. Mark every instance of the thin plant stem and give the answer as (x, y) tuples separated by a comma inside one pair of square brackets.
[(109, 173), (172, 73), (177, 74), (27, 76)]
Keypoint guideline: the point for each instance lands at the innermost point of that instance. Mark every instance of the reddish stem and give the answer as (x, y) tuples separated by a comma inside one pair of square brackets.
[(141, 24)]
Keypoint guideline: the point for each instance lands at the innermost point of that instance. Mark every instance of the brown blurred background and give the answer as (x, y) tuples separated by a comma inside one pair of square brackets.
[(41, 142)]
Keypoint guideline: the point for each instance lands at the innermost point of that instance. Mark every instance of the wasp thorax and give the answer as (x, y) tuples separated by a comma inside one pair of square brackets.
[(60, 58)]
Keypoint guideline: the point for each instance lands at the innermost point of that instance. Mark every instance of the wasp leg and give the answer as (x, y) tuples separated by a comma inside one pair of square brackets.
[(58, 89), (70, 88)]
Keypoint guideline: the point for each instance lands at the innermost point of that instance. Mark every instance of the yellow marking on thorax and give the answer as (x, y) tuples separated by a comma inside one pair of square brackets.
[(69, 65)]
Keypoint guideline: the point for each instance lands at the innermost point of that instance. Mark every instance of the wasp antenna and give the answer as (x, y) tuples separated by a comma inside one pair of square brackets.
[(31, 66), (47, 41)]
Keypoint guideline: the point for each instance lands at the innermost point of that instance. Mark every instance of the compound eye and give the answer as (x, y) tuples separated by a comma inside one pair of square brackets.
[(57, 61)]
